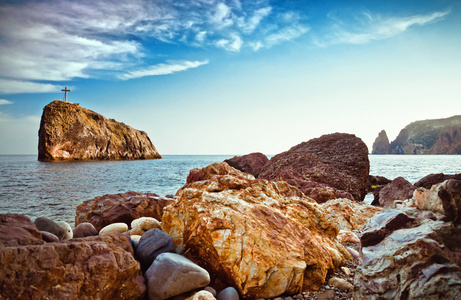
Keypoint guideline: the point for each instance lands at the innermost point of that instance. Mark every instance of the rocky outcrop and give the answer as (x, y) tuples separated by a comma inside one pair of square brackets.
[(264, 238), (250, 163), (381, 144), (98, 267), (126, 207), (431, 179), (338, 160), (71, 132), (398, 189), (438, 136), (409, 254)]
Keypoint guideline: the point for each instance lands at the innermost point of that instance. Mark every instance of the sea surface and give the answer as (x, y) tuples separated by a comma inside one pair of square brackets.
[(55, 189)]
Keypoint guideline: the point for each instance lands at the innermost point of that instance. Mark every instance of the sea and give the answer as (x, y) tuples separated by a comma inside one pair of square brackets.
[(54, 189)]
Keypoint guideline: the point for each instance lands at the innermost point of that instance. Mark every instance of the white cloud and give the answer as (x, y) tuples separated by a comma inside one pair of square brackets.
[(163, 69), (233, 44), (4, 102), (373, 27), (285, 34), (17, 86)]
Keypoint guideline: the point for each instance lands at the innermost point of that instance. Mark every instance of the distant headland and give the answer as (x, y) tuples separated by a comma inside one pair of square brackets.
[(437, 136), (71, 132)]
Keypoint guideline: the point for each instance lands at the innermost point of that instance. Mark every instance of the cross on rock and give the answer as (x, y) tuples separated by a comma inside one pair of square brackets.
[(65, 93)]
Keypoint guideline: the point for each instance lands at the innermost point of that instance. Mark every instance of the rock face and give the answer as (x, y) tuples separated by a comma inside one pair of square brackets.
[(381, 144), (250, 163), (98, 267), (71, 132), (126, 207), (264, 238), (338, 160), (409, 254), (438, 136)]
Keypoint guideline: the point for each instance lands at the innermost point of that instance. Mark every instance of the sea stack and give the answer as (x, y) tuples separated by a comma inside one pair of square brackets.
[(71, 132)]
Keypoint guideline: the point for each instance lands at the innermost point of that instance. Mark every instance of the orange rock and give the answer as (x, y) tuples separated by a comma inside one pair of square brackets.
[(264, 238)]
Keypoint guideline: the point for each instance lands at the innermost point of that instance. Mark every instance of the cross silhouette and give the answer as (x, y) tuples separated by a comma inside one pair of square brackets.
[(65, 93)]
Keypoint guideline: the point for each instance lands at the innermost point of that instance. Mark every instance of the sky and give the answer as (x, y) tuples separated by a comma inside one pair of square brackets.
[(230, 77)]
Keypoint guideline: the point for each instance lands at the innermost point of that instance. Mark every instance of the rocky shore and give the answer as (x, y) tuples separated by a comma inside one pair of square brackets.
[(250, 228)]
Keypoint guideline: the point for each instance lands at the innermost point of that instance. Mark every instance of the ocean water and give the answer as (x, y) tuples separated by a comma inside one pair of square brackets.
[(55, 189)]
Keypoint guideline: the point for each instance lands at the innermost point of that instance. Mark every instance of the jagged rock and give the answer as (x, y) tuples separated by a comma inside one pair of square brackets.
[(348, 215), (126, 207), (448, 141), (398, 189), (99, 267), (71, 132), (409, 256), (250, 163), (444, 198), (264, 238), (338, 160), (18, 229), (381, 144), (172, 274), (431, 179)]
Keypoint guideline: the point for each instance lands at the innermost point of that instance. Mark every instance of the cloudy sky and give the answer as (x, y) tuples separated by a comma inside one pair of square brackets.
[(230, 77)]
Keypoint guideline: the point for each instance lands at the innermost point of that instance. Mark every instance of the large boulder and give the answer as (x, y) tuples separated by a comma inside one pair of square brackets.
[(71, 132), (338, 160), (251, 163), (431, 179), (264, 238), (120, 208), (398, 189), (409, 254), (98, 267)]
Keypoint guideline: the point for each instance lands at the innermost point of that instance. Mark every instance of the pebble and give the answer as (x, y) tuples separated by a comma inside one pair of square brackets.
[(229, 293), (353, 252), (114, 228), (172, 274), (340, 283), (137, 231), (145, 223), (346, 271), (211, 290), (45, 224), (327, 295), (84, 229), (68, 234), (49, 237), (153, 243)]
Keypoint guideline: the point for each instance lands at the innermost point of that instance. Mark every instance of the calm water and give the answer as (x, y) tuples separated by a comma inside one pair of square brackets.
[(54, 190)]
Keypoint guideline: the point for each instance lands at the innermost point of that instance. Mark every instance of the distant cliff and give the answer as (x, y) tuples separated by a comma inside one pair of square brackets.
[(439, 136), (71, 132)]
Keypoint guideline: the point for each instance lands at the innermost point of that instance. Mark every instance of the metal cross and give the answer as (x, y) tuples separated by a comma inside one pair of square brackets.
[(65, 93)]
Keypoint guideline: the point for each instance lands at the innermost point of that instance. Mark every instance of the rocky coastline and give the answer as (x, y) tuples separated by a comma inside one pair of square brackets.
[(293, 227)]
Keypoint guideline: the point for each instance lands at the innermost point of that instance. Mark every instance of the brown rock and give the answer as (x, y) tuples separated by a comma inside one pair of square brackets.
[(126, 207), (250, 163), (398, 189), (448, 141), (348, 215), (338, 160), (381, 144), (71, 132), (431, 179), (376, 181), (18, 229), (263, 238), (98, 267)]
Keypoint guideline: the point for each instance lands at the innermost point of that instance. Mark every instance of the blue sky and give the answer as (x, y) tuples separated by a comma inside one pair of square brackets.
[(230, 77)]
